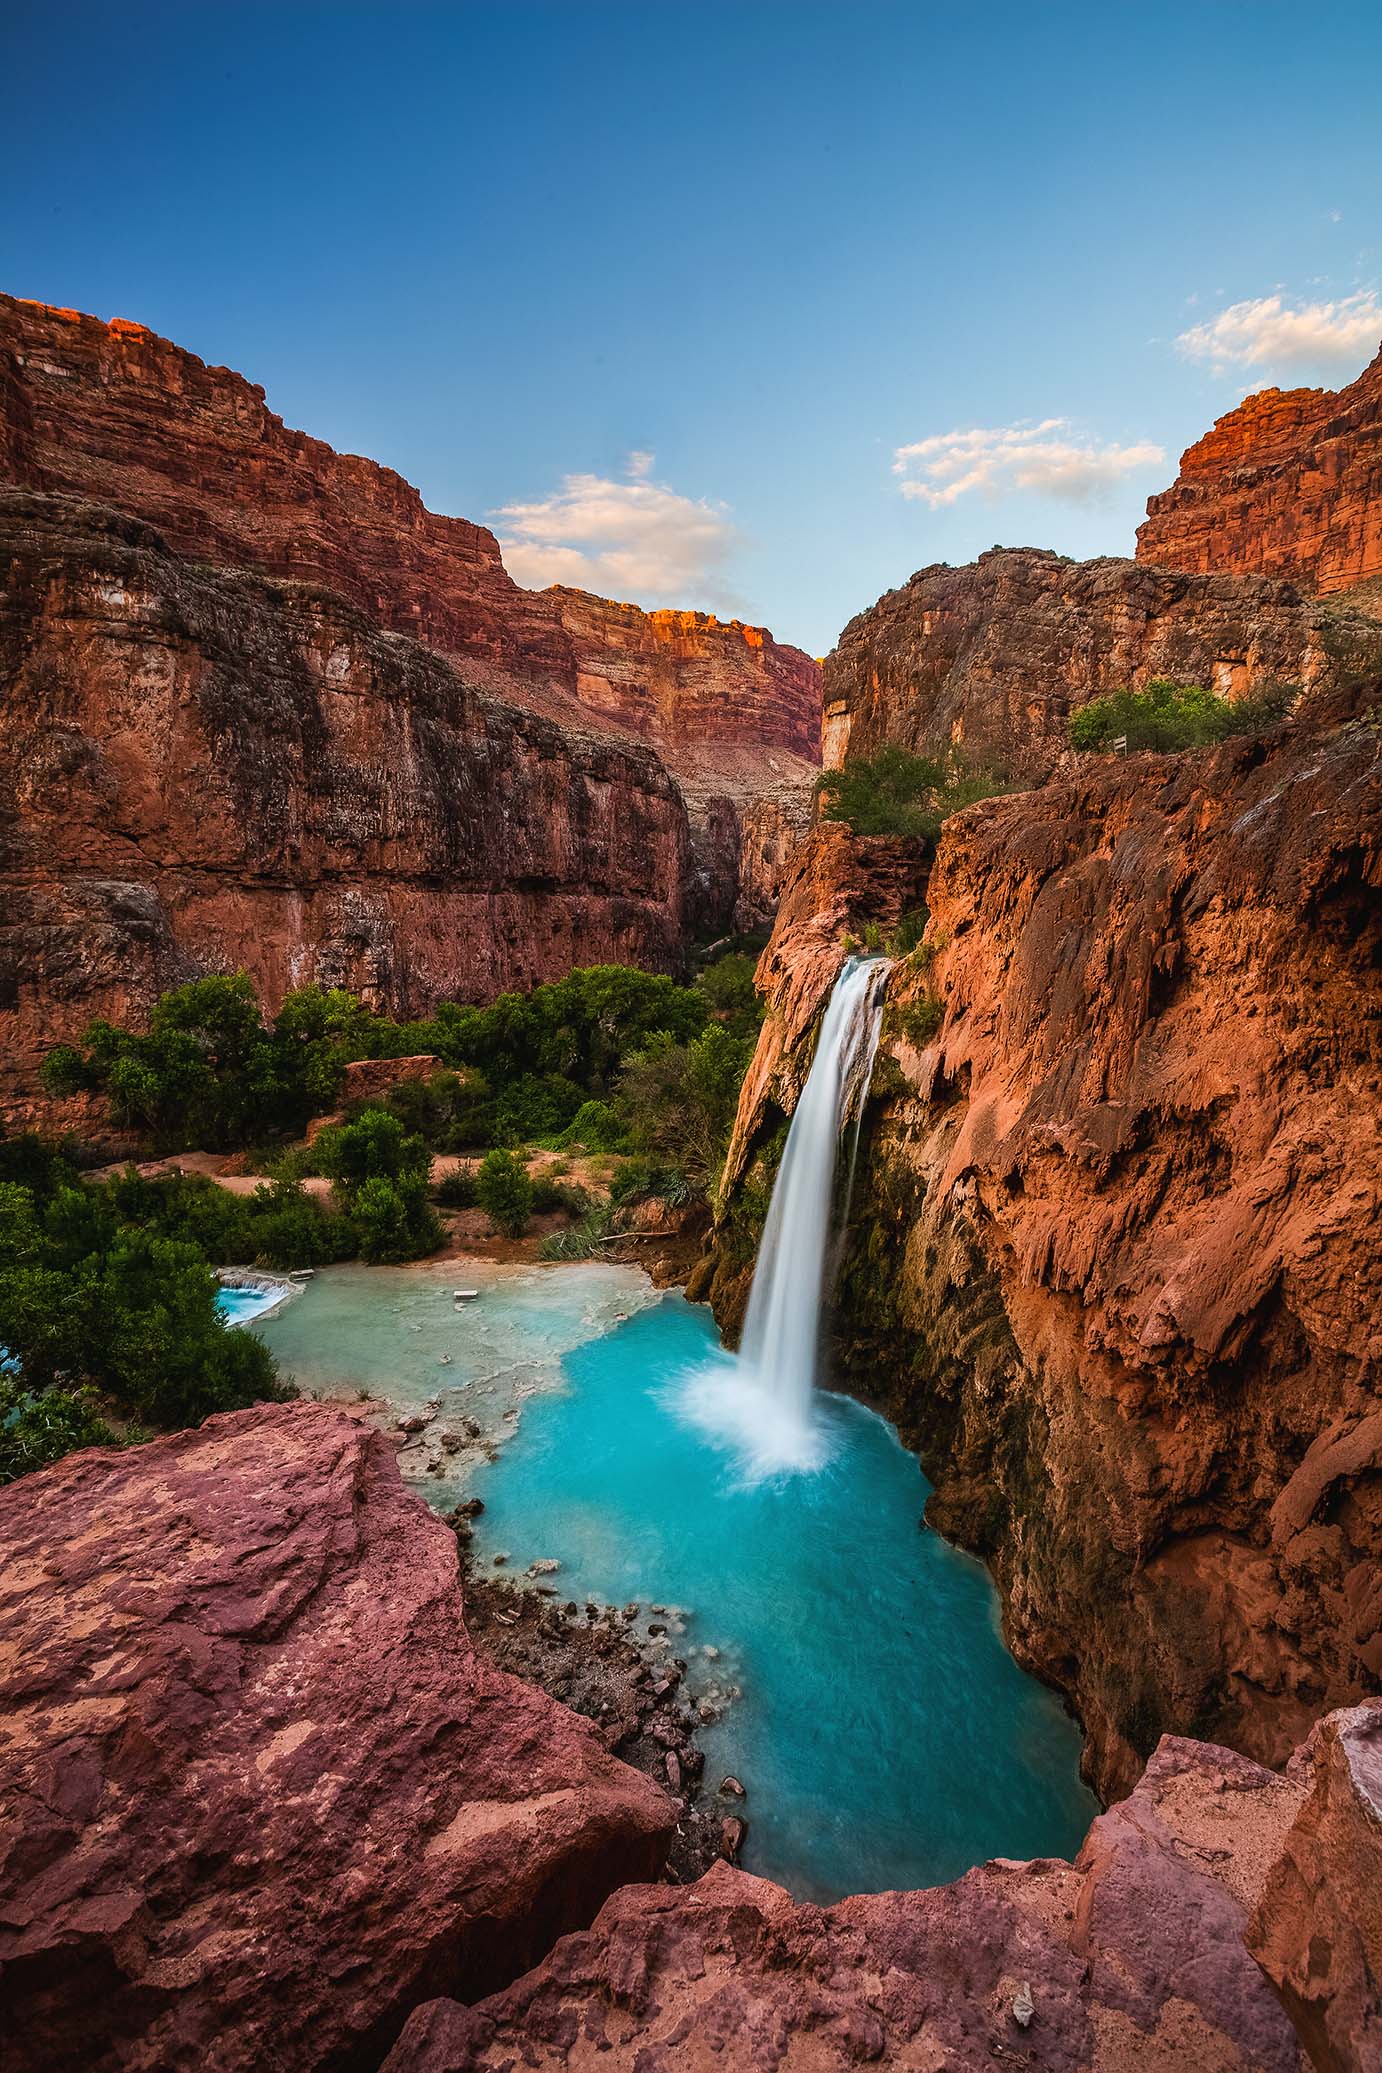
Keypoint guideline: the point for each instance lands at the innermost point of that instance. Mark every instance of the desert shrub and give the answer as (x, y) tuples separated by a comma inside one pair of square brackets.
[(551, 1194), (899, 793), (597, 1126), (456, 1190), (579, 1241), (40, 1425), (919, 1020), (1168, 716), (910, 929), (505, 1193)]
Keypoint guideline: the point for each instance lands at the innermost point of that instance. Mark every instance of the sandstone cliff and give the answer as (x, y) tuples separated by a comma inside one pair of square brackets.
[(271, 1809), (992, 658), (264, 1797), (201, 769), (1288, 484), (1118, 1220), (117, 415), (1133, 1957)]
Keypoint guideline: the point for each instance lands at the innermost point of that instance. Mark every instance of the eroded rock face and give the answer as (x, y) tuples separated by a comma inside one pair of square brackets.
[(1131, 1958), (1118, 1221), (992, 658), (116, 415), (1288, 484), (202, 770), (262, 1796), (1316, 1930)]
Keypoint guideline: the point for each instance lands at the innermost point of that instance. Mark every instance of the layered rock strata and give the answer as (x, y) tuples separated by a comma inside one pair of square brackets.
[(205, 770), (263, 1796), (116, 415), (1118, 1217), (1287, 484), (991, 659), (1133, 1956)]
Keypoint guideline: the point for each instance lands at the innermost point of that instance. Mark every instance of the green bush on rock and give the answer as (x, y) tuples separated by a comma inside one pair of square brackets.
[(899, 793), (1168, 717)]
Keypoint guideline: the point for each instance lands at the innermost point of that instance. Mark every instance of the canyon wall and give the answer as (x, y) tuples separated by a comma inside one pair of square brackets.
[(116, 415), (205, 770), (1118, 1216), (992, 658), (297, 723), (1288, 484)]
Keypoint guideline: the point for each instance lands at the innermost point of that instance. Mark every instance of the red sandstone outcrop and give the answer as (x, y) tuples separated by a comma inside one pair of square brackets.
[(1118, 1218), (1131, 1958), (202, 770), (992, 658), (262, 1795), (1288, 484), (116, 415), (1316, 1930)]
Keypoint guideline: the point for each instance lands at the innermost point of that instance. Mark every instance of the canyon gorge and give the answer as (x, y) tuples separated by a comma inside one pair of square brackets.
[(191, 587), (1111, 1266)]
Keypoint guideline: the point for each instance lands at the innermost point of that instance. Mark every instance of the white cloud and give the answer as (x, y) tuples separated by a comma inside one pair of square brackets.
[(635, 539), (1270, 332), (1046, 457)]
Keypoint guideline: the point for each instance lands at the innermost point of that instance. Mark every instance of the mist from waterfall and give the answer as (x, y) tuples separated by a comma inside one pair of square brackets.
[(764, 1402)]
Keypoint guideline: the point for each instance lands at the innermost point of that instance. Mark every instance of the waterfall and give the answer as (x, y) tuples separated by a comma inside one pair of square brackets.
[(766, 1404)]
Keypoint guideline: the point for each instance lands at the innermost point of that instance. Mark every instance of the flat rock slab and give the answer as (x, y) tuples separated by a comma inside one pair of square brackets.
[(1129, 1961), (261, 1797)]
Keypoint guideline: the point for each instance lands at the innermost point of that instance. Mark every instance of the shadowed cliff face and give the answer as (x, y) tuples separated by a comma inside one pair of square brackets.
[(992, 658), (1289, 483), (202, 770), (117, 415), (1117, 1232)]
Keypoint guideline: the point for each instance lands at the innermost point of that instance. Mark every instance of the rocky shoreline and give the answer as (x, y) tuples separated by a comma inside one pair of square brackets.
[(593, 1659)]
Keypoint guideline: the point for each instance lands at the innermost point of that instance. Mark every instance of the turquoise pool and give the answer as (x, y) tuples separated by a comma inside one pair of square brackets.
[(884, 1733)]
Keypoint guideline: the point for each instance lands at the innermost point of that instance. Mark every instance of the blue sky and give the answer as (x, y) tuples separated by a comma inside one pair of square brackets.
[(661, 290)]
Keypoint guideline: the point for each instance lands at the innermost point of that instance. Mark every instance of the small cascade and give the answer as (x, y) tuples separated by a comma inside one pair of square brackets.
[(765, 1404)]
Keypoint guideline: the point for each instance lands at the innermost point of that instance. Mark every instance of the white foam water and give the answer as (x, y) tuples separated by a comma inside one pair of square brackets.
[(763, 1403)]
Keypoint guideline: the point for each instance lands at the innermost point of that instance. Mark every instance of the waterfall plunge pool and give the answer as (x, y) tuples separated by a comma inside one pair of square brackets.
[(886, 1737)]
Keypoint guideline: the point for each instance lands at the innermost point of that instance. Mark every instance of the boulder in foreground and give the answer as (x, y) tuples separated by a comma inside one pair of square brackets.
[(1132, 1957), (265, 1797)]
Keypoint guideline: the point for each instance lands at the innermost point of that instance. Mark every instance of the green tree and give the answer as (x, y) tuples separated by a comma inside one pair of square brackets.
[(899, 793), (1166, 716), (729, 992), (382, 1174), (678, 1100), (505, 1193)]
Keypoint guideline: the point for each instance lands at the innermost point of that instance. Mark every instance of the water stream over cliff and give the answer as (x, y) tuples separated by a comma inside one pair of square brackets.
[(765, 1405), (886, 1736)]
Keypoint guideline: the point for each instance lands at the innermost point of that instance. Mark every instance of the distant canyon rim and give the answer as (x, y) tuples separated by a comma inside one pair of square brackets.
[(1112, 1269)]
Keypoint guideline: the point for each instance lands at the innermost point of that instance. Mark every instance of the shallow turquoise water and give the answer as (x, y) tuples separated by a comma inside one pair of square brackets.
[(885, 1735), (241, 1305)]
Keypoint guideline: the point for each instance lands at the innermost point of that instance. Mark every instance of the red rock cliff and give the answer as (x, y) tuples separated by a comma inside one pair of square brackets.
[(208, 770), (115, 414), (993, 657), (1118, 1227), (1288, 484)]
